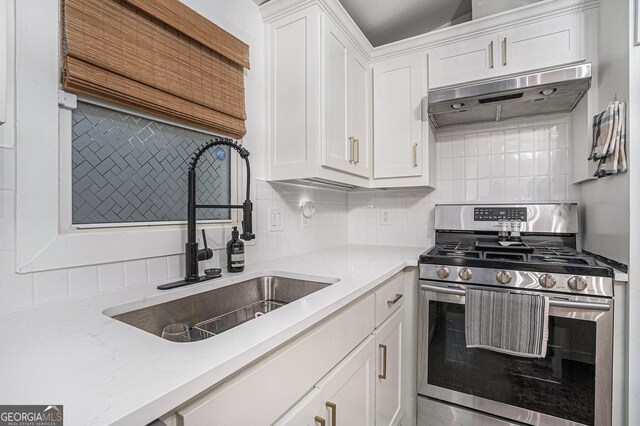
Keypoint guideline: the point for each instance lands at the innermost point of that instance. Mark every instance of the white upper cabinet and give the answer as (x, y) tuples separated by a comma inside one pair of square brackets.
[(359, 105), (468, 60), (345, 143), (319, 100), (545, 44), (549, 43), (336, 152), (397, 118)]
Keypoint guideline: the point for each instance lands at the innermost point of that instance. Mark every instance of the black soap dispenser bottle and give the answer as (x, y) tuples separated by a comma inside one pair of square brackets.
[(235, 252)]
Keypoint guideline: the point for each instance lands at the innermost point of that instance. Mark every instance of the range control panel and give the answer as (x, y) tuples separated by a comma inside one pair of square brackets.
[(486, 214)]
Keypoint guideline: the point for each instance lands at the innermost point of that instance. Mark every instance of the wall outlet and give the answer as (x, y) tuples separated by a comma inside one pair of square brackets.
[(385, 217), (306, 222), (276, 220)]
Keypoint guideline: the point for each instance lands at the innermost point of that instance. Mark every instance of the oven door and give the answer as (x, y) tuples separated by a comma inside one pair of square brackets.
[(570, 386)]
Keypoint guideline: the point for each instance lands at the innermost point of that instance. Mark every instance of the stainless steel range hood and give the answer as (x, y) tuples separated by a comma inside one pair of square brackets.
[(543, 92)]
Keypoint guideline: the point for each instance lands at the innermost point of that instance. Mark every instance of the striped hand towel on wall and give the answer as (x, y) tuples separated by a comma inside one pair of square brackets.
[(511, 323), (609, 140)]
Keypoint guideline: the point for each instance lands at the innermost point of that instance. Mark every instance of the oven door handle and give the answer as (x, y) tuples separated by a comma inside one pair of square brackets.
[(592, 306)]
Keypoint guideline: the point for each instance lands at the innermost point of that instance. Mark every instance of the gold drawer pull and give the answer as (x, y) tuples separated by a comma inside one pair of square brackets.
[(415, 155), (357, 151), (395, 300), (331, 406), (491, 55), (384, 362), (352, 147), (320, 420)]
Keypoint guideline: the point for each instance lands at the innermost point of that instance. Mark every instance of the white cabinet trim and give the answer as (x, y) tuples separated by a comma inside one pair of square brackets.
[(4, 47), (535, 12)]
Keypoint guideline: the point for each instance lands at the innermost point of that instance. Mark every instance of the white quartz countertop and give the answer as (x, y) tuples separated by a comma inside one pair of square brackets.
[(106, 372)]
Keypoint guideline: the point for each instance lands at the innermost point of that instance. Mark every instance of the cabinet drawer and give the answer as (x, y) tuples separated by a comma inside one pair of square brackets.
[(250, 398), (389, 297)]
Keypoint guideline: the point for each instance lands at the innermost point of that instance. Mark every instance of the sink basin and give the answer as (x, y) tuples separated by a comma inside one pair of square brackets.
[(215, 311)]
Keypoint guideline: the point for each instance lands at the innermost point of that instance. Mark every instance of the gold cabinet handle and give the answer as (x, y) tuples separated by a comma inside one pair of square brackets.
[(331, 406), (351, 147), (357, 151), (384, 362), (491, 54), (320, 421), (415, 155), (504, 51), (394, 301)]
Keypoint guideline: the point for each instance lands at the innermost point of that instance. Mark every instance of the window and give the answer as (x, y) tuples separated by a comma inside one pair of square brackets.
[(131, 169)]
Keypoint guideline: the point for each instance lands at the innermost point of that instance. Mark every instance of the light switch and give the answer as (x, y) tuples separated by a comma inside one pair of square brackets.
[(276, 220)]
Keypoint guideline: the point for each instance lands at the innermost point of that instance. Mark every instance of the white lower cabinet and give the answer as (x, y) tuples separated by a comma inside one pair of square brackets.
[(343, 371), (261, 394), (345, 396), (389, 363)]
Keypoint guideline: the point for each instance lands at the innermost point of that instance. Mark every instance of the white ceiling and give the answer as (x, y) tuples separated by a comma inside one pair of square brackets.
[(386, 21)]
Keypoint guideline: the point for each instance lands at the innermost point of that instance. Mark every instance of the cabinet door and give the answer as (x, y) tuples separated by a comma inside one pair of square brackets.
[(398, 91), (336, 147), (389, 363), (464, 61), (359, 113), (348, 391), (550, 43)]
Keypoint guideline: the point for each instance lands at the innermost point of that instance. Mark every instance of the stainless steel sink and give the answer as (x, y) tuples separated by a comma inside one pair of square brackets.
[(218, 310)]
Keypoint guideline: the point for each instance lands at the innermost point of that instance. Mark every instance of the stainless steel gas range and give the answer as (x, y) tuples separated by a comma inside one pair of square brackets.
[(514, 248)]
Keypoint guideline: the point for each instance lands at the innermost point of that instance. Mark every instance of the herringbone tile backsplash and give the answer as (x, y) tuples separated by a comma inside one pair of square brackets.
[(128, 168)]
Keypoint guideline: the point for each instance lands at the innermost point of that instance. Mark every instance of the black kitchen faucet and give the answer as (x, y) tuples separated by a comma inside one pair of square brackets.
[(192, 254)]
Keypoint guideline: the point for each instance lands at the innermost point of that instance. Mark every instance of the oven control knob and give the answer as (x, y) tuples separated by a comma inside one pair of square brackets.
[(547, 281), (465, 274), (442, 272), (503, 277), (577, 283)]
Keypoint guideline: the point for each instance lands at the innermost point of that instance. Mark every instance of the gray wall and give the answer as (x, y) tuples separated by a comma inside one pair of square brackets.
[(605, 201)]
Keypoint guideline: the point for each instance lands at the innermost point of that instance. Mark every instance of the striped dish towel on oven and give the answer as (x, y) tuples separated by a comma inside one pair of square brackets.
[(511, 323)]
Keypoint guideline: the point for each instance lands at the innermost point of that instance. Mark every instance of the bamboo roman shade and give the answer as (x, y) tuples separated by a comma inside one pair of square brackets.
[(158, 56)]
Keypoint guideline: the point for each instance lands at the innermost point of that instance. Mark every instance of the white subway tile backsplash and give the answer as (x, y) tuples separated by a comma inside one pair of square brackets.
[(470, 145), (542, 163), (457, 147), (497, 142), (526, 164), (484, 166), (51, 286), (135, 272), (511, 141), (558, 188), (497, 189), (541, 136), (497, 165), (542, 188), (526, 139), (111, 276), (471, 168), (526, 152), (511, 189), (484, 189), (512, 164), (471, 193), (484, 143), (157, 269), (16, 290), (83, 281), (558, 161)]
